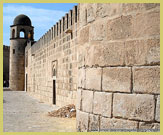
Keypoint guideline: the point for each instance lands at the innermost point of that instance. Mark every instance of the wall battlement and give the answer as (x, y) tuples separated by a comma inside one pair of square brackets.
[(63, 27)]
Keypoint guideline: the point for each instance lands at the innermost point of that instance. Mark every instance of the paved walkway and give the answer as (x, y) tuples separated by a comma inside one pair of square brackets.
[(25, 114)]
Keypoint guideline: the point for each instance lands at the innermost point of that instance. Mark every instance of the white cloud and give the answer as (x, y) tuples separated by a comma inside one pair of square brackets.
[(38, 16), (42, 19)]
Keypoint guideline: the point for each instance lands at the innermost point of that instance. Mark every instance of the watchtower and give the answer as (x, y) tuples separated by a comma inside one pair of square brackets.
[(21, 33)]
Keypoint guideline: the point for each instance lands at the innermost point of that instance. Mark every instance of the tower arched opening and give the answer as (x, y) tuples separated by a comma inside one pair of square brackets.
[(22, 33), (13, 33)]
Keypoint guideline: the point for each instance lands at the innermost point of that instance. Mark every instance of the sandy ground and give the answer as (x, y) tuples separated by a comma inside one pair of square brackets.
[(22, 113)]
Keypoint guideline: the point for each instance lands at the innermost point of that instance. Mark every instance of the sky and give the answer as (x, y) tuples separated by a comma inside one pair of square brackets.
[(43, 16)]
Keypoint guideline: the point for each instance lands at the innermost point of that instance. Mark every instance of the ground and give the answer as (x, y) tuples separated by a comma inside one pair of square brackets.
[(22, 113)]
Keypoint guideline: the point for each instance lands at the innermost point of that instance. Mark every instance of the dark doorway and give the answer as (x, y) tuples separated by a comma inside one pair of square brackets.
[(54, 92), (26, 81)]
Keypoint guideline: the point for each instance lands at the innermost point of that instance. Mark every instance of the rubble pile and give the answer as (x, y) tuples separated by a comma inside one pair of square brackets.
[(67, 111)]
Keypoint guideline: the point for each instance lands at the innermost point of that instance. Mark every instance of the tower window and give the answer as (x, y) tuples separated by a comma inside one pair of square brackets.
[(22, 33), (13, 33), (13, 51), (30, 35)]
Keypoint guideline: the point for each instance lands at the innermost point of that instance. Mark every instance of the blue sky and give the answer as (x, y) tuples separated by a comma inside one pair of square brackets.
[(42, 15)]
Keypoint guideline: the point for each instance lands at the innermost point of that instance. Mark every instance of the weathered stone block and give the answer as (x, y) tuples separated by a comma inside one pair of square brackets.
[(82, 121), (146, 24), (151, 5), (135, 52), (78, 99), (81, 77), (119, 28), (102, 103), (93, 122), (87, 103), (130, 7), (146, 79), (98, 30), (116, 79), (81, 55), (105, 54), (91, 14), (157, 116), (108, 9), (93, 78), (134, 106), (108, 123), (142, 52), (84, 35), (83, 14), (153, 51), (146, 125)]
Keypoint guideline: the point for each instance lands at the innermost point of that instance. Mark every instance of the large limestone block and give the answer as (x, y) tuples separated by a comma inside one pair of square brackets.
[(108, 123), (78, 99), (146, 125), (116, 79), (81, 77), (134, 106), (93, 122), (119, 28), (143, 24), (82, 121), (153, 51), (82, 14), (135, 52), (157, 116), (146, 24), (84, 35), (102, 103), (105, 54), (81, 55), (146, 79), (87, 101), (107, 9), (151, 5), (91, 12), (142, 52), (93, 78), (128, 8), (98, 30)]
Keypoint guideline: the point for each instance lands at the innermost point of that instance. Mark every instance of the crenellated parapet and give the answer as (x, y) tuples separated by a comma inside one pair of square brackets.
[(66, 25)]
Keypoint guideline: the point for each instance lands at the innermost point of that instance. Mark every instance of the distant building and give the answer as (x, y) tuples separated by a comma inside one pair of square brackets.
[(6, 59)]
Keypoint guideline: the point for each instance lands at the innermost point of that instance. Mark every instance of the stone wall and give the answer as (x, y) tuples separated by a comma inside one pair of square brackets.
[(110, 55), (6, 56), (57, 49), (119, 67)]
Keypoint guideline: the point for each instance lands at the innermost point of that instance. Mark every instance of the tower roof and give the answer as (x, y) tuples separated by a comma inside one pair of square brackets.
[(22, 20)]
